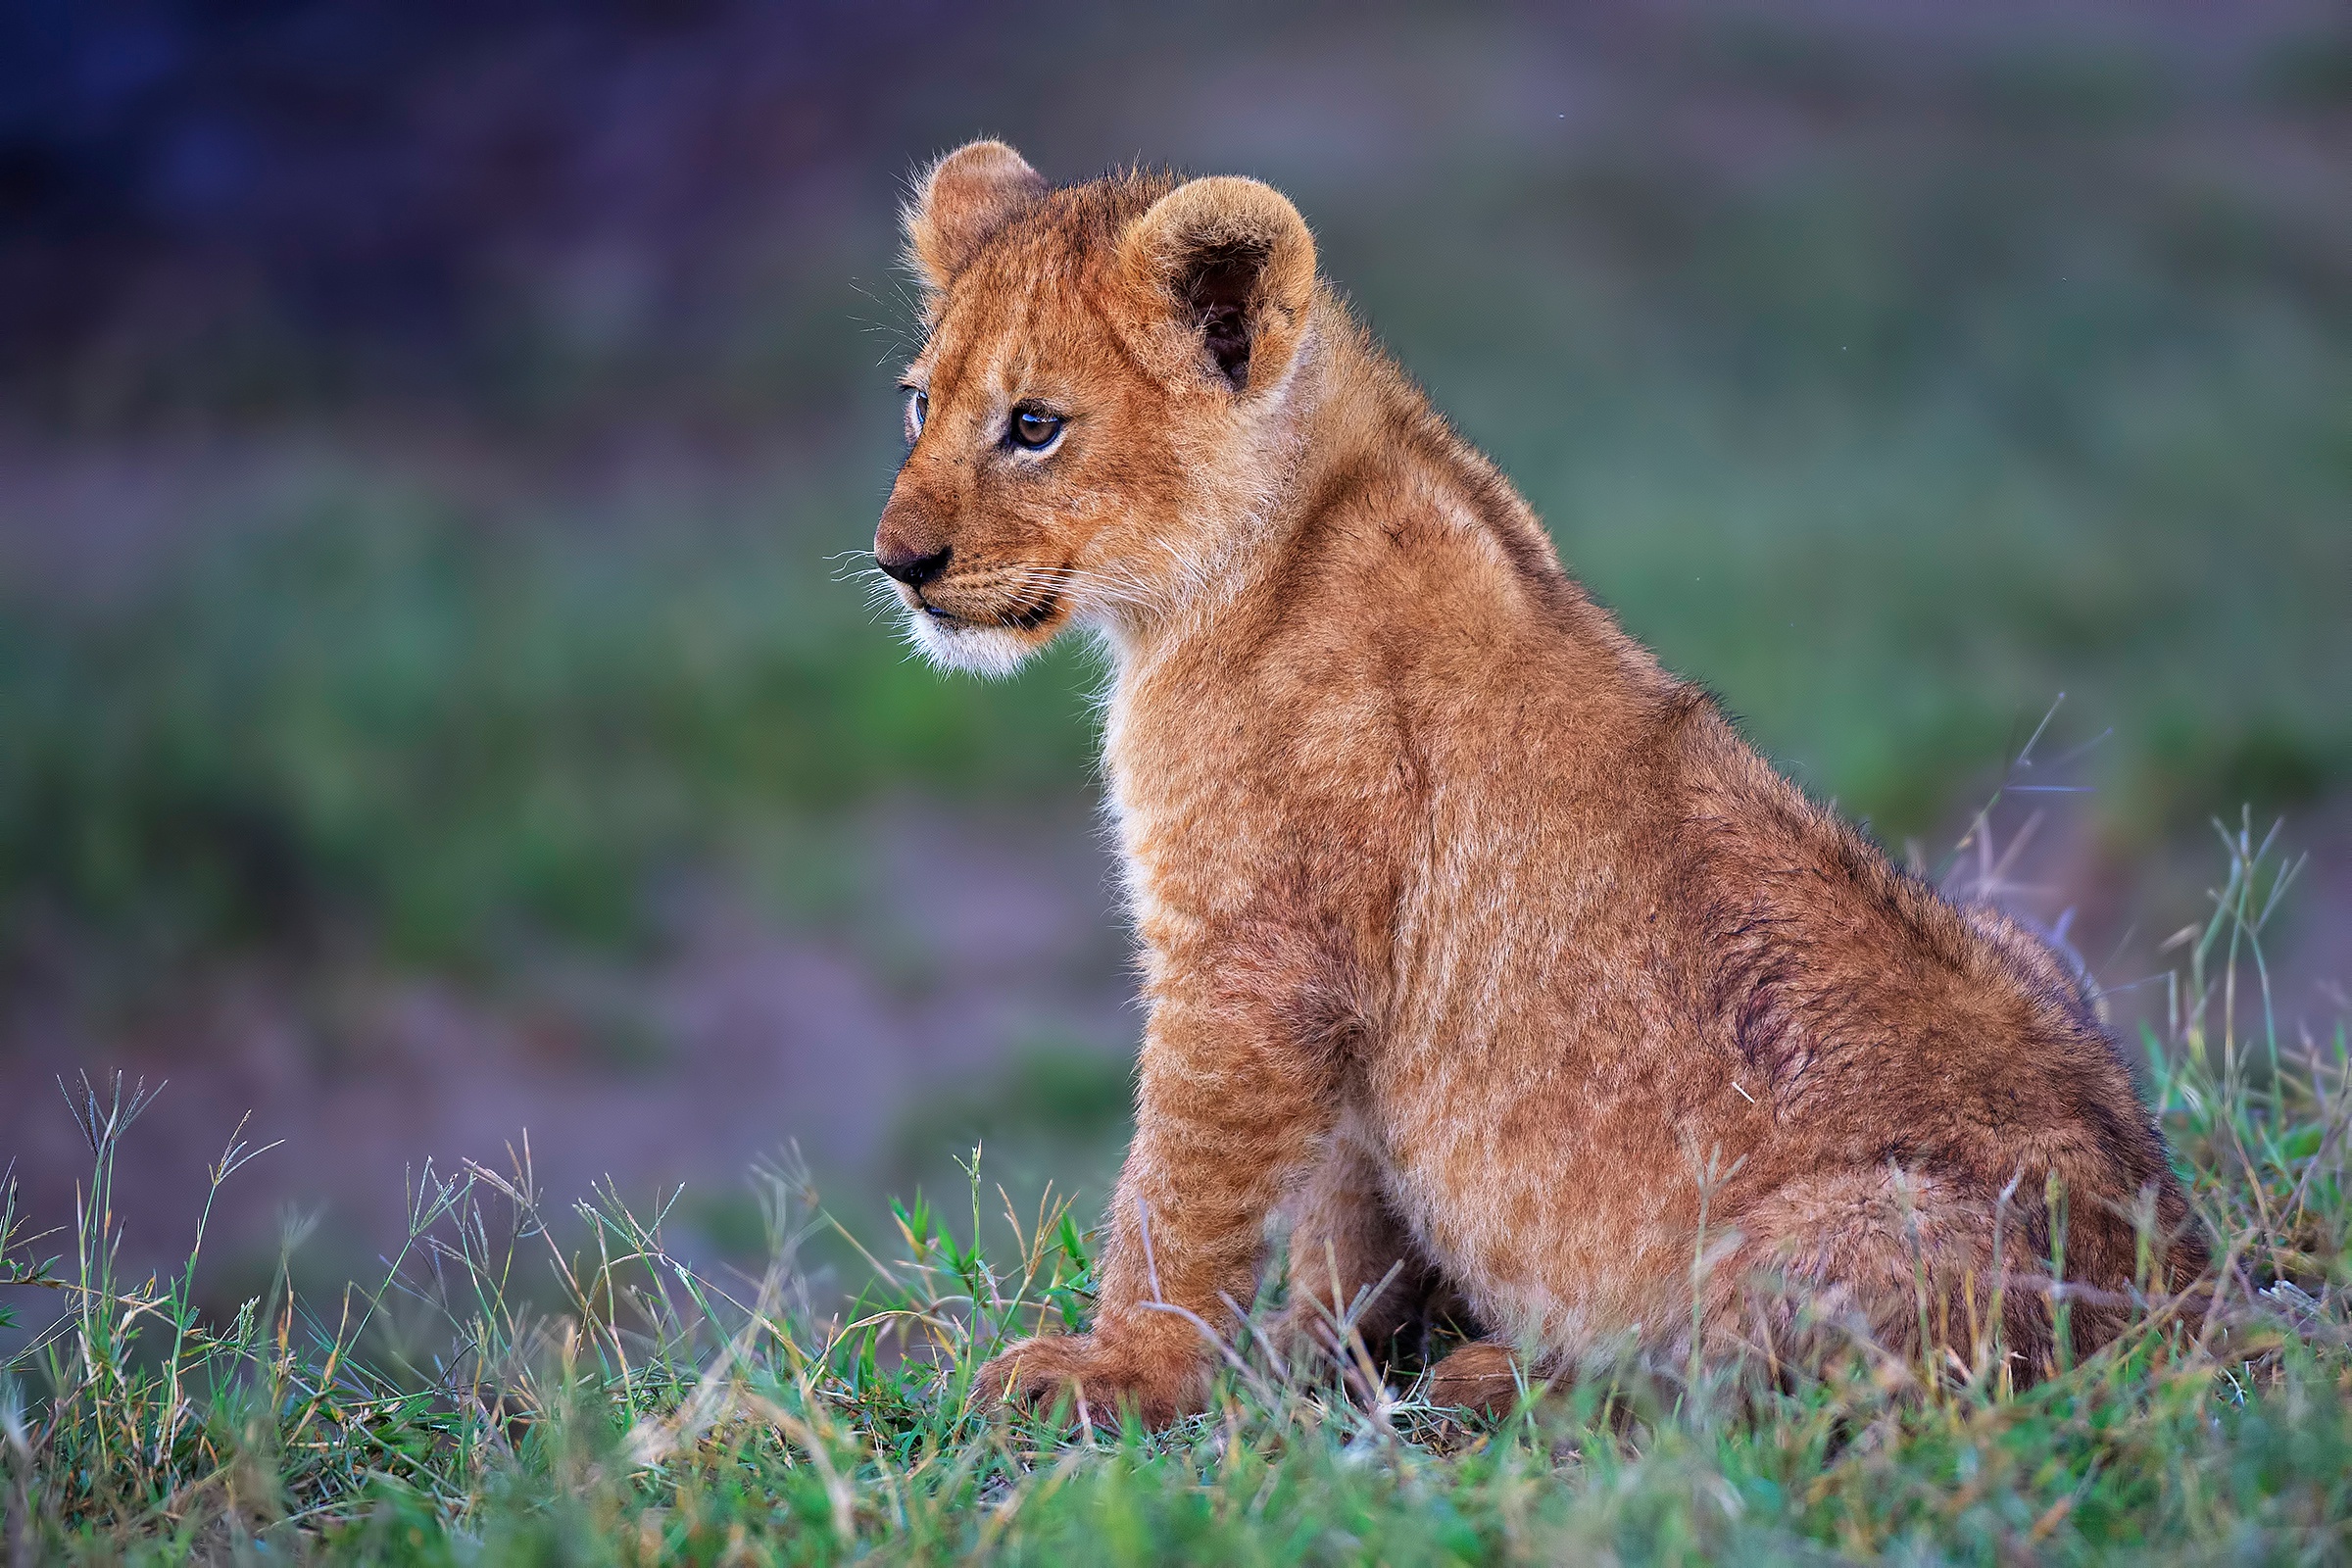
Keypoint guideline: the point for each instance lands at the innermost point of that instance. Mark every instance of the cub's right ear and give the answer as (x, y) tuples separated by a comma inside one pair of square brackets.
[(960, 202), (1233, 262)]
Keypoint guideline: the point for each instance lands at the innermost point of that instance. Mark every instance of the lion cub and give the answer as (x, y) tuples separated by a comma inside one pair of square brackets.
[(1469, 934)]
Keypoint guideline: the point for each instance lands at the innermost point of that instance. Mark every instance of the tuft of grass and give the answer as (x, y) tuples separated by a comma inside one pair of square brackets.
[(529, 1381)]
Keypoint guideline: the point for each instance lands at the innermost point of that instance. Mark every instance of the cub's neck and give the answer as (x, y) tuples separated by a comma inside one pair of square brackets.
[(1321, 420), (1350, 447)]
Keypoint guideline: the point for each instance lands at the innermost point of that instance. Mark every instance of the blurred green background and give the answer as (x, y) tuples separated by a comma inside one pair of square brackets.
[(430, 435)]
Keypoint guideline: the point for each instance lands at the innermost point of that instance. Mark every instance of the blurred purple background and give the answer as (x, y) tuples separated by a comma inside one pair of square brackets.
[(430, 435)]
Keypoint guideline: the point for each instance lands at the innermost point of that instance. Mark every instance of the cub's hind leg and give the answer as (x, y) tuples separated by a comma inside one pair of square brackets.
[(1483, 1375), (1351, 1259), (1828, 1263), (1914, 1262)]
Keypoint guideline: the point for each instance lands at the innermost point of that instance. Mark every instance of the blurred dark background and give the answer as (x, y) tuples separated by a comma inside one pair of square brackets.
[(429, 434)]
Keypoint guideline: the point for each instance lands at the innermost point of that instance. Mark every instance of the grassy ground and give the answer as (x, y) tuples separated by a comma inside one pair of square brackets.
[(540, 1382)]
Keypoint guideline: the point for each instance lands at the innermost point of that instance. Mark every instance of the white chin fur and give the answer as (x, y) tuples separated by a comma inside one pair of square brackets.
[(981, 650)]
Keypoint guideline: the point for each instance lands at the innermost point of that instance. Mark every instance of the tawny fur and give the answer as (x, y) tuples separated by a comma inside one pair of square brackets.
[(1469, 934)]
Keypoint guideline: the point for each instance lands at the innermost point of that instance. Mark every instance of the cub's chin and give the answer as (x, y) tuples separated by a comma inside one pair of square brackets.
[(973, 646)]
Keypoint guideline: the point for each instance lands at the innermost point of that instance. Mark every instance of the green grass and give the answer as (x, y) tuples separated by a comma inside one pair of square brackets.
[(533, 1382)]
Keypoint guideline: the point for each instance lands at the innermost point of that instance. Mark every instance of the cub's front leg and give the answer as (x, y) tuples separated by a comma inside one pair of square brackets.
[(1231, 1102)]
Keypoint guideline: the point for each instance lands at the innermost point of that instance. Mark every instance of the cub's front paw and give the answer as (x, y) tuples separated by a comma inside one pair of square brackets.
[(1105, 1376)]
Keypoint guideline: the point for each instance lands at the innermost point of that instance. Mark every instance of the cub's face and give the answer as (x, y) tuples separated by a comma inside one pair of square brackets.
[(1085, 420)]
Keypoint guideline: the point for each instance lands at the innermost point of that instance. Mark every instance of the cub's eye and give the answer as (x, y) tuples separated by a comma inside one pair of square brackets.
[(1035, 427), (917, 404)]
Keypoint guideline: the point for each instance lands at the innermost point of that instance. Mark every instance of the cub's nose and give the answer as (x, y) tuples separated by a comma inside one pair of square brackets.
[(910, 568)]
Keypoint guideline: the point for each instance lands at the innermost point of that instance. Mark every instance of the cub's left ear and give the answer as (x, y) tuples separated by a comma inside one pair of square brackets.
[(1232, 259), (960, 203)]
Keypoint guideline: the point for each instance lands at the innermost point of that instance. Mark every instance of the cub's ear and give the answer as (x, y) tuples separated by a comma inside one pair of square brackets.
[(962, 200), (1233, 259)]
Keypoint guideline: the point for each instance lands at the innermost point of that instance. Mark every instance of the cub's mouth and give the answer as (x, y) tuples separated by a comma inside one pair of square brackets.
[(991, 602)]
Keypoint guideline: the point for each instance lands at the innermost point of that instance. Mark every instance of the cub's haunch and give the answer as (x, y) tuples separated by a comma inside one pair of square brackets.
[(1470, 935)]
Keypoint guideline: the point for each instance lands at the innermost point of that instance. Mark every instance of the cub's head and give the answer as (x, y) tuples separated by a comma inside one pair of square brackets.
[(1092, 419)]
